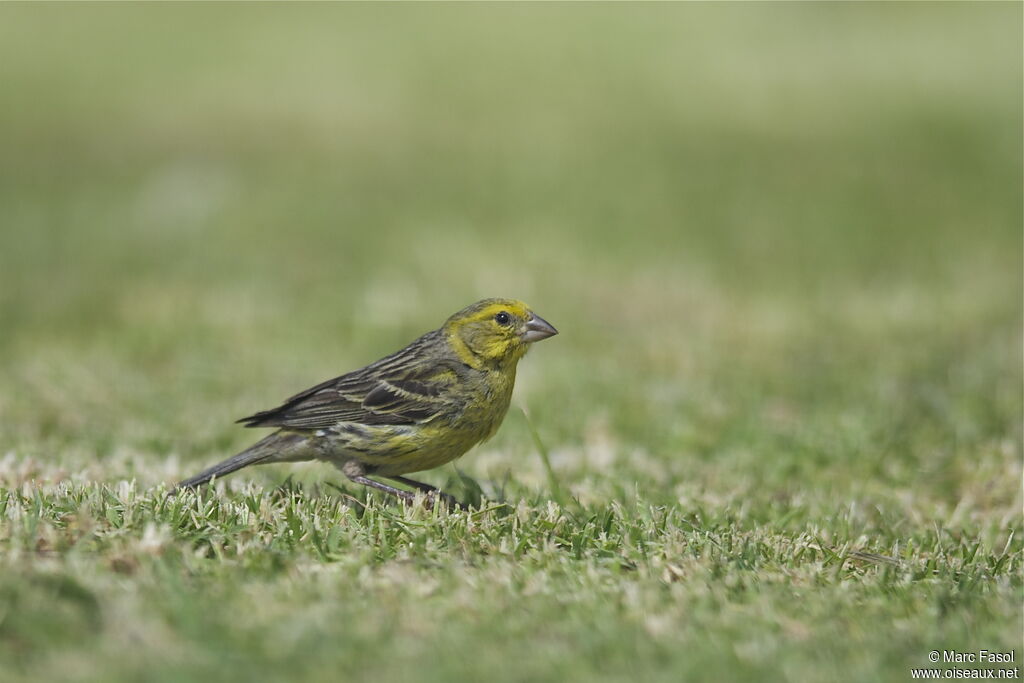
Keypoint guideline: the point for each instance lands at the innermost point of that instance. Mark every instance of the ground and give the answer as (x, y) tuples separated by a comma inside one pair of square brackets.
[(779, 435)]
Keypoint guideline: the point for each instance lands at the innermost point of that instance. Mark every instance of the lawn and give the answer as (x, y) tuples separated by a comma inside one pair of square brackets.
[(778, 438)]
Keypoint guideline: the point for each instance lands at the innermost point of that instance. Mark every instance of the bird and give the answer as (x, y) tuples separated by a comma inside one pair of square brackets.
[(413, 410)]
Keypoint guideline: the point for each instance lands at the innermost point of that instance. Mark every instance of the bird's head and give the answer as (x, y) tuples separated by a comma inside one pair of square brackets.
[(495, 331)]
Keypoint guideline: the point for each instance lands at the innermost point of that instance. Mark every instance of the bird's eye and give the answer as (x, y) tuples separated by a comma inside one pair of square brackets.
[(503, 318)]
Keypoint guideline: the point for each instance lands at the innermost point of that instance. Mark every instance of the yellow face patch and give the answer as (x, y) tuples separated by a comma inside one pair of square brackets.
[(490, 332)]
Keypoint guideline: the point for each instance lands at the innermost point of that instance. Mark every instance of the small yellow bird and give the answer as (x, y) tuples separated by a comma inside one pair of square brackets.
[(416, 409)]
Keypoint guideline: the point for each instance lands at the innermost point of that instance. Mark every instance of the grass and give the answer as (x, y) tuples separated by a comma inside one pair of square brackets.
[(778, 438)]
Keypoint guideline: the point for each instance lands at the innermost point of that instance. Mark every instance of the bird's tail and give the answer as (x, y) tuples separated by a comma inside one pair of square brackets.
[(277, 447)]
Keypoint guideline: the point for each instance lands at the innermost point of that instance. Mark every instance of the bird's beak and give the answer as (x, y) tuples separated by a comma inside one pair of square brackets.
[(538, 328)]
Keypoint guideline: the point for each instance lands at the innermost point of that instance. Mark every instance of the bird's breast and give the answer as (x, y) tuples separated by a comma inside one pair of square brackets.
[(482, 417)]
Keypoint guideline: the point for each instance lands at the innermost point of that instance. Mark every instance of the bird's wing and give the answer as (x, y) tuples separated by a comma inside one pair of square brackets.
[(406, 387)]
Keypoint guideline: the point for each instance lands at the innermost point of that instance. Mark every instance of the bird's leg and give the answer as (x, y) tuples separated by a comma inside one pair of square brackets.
[(356, 472), (430, 491), (406, 497)]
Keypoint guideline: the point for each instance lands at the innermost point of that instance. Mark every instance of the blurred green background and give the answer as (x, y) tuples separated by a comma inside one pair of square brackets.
[(732, 213), (782, 242)]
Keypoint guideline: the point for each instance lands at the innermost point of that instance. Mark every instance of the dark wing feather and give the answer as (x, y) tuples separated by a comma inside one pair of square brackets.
[(403, 388)]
